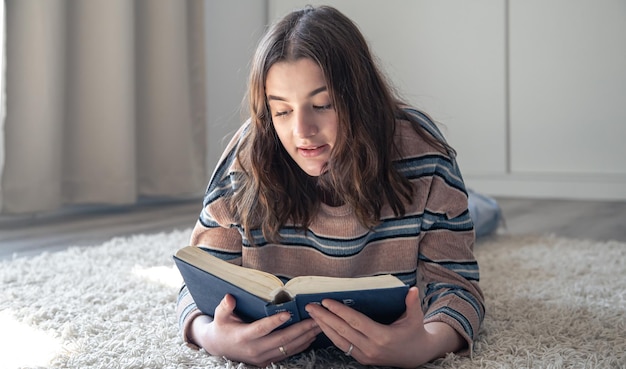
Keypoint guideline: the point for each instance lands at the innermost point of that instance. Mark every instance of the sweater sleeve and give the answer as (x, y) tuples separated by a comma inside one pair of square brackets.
[(448, 272)]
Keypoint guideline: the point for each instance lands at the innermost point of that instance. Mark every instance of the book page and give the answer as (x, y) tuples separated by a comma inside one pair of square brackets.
[(319, 284), (254, 281)]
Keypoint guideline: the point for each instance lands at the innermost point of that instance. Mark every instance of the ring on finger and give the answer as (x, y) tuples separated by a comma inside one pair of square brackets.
[(282, 350), (349, 352)]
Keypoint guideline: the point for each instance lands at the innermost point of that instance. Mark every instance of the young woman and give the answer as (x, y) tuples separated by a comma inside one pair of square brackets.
[(332, 175)]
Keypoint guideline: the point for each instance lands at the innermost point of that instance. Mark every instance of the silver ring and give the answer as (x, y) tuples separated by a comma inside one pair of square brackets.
[(282, 350), (349, 352)]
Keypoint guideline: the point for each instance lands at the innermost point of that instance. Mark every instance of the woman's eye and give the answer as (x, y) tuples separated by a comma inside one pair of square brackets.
[(280, 113), (322, 107)]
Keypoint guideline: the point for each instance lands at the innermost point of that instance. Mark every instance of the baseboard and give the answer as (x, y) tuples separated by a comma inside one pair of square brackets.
[(578, 187)]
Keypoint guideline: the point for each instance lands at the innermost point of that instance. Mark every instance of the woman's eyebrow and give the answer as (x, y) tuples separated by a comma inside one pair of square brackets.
[(317, 91), (311, 94)]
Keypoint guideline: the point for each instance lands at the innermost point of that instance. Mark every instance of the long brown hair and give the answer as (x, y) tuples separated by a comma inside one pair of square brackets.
[(276, 192)]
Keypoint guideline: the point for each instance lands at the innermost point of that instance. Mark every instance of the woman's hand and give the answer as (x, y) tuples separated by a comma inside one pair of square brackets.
[(254, 343), (407, 342)]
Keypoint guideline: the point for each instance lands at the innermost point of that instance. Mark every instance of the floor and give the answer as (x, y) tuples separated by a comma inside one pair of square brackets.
[(24, 235)]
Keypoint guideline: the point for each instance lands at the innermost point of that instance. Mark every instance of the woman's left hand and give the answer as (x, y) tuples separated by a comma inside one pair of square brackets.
[(407, 342)]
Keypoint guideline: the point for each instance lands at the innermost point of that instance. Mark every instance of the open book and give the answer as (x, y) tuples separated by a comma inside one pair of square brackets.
[(260, 294)]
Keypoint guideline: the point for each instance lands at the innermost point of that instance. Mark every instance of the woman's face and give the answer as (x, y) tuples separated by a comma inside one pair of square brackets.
[(302, 112)]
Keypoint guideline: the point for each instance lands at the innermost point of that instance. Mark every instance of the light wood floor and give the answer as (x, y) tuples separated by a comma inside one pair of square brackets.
[(593, 220), (22, 236)]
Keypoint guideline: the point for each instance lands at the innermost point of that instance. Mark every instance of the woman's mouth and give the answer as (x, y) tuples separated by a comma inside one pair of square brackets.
[(312, 151)]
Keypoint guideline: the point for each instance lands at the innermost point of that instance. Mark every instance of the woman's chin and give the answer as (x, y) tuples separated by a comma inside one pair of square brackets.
[(314, 172)]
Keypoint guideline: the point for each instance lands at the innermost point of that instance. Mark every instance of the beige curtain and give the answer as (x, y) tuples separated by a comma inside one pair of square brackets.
[(105, 102)]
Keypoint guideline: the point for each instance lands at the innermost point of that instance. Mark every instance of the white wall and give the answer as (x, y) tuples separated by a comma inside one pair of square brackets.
[(530, 93), (2, 95), (232, 34)]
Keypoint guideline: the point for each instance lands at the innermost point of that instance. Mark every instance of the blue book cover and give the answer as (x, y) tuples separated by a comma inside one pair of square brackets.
[(259, 294)]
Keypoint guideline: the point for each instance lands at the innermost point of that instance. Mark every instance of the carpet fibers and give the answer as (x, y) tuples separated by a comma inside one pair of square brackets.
[(551, 303)]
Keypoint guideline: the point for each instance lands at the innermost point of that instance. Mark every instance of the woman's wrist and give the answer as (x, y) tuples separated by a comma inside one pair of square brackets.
[(443, 339), (197, 333)]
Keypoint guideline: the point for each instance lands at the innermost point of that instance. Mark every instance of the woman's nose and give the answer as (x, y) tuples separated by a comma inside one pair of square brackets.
[(304, 125)]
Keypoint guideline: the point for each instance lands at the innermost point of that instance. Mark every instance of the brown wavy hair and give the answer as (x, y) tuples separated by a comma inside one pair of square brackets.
[(276, 192)]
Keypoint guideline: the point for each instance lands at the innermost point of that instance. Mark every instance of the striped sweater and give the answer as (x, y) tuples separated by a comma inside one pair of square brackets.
[(430, 246)]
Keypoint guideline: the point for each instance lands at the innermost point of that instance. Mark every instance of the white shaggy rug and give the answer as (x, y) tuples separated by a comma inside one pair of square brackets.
[(551, 303)]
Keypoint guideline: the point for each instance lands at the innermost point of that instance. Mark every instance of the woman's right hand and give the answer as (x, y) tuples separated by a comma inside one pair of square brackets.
[(256, 343)]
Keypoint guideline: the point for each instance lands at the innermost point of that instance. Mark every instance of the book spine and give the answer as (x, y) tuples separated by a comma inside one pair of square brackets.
[(297, 314), (290, 306)]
